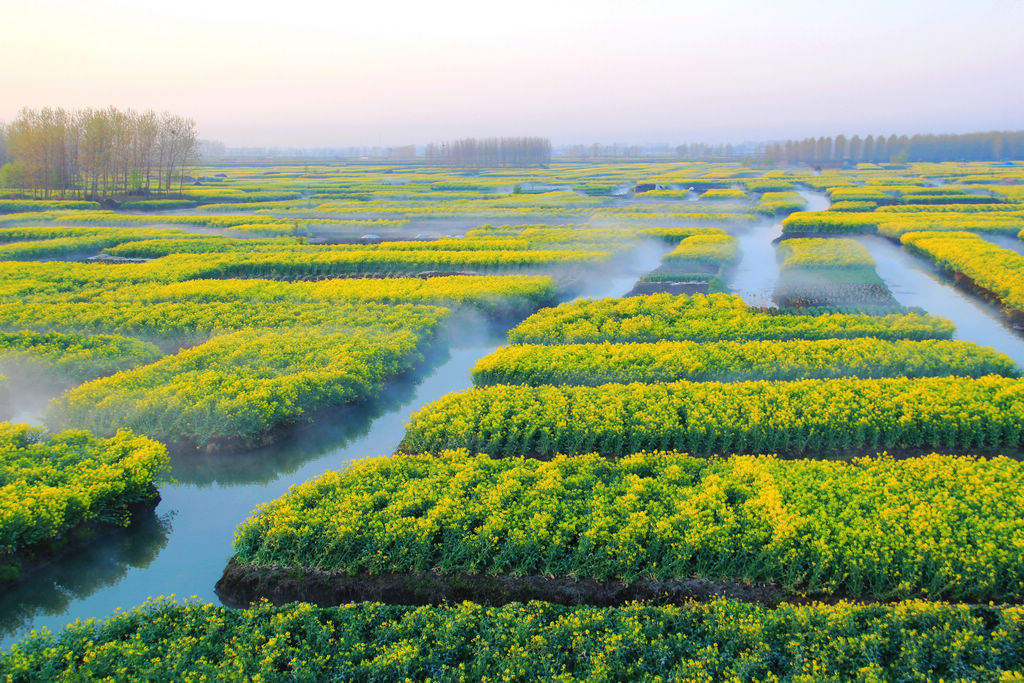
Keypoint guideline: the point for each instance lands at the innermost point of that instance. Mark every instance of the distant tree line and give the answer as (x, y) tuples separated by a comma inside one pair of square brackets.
[(95, 153), (491, 152), (991, 146), (698, 151)]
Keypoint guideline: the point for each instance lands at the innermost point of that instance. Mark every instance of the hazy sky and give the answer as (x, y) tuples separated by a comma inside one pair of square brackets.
[(362, 72)]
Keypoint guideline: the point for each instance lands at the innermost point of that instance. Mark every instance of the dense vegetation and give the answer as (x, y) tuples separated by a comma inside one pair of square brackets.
[(180, 322), (835, 272), (979, 262), (716, 317), (807, 416), (280, 295), (240, 386), (874, 527), (603, 363), (74, 357), (48, 487), (167, 641)]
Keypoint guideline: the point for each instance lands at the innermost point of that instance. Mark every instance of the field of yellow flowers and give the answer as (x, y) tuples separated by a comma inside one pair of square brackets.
[(837, 481)]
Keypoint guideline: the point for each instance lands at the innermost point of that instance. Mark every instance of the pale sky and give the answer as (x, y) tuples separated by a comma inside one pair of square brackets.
[(325, 74)]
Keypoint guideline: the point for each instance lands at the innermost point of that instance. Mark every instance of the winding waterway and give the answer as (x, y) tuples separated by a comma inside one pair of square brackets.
[(183, 545)]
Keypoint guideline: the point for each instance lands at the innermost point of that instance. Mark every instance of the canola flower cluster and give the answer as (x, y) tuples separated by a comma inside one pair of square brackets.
[(33, 233), (316, 262), (74, 357), (805, 416), (108, 218), (25, 205), (713, 317), (49, 486), (546, 240), (723, 193), (993, 268), (239, 386), (550, 235), (164, 245), (504, 294), (861, 194), (769, 183), (39, 247), (716, 250), (892, 224), (185, 321), (77, 284), (170, 641), (830, 221), (936, 526), (830, 272), (779, 203), (284, 350), (667, 361), (853, 206), (874, 527), (823, 253), (676, 235)]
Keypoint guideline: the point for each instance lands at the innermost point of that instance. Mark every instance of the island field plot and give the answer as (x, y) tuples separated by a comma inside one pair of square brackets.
[(447, 369)]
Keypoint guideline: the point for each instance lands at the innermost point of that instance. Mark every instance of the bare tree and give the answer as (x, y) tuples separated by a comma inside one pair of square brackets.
[(525, 151), (96, 152)]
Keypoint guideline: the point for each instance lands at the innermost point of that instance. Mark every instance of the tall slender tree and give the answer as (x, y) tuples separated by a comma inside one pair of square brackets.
[(96, 152)]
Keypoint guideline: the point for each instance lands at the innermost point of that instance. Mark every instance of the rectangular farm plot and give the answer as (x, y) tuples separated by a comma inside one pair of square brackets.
[(811, 417), (875, 528), (602, 363)]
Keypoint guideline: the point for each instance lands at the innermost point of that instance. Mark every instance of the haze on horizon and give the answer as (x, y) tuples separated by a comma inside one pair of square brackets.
[(309, 74)]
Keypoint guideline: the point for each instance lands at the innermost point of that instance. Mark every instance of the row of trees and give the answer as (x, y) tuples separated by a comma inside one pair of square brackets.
[(491, 152), (96, 153), (991, 146)]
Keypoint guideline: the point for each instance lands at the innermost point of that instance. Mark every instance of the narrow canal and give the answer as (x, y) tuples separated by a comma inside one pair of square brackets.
[(915, 283), (182, 547)]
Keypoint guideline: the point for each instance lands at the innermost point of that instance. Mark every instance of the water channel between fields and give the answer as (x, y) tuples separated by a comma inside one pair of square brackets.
[(182, 546), (914, 282), (757, 271)]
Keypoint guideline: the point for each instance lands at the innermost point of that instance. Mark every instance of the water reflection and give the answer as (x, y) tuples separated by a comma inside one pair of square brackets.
[(331, 430), (757, 271), (76, 575), (914, 282), (207, 506)]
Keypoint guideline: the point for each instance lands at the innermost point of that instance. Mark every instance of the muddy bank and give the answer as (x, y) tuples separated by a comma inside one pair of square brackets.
[(241, 585), (1013, 316)]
